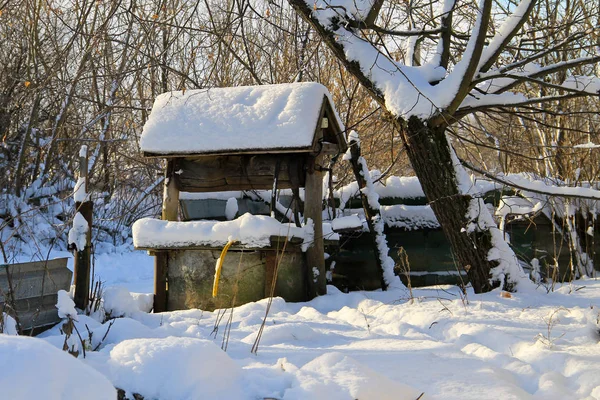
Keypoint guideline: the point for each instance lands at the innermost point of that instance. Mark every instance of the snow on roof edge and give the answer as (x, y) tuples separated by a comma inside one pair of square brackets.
[(242, 118)]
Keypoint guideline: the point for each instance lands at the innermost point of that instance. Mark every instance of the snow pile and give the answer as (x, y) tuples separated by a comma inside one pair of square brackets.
[(117, 301), (528, 182), (33, 369), (516, 206), (8, 325), (349, 222), (409, 217), (66, 306), (79, 193), (78, 233), (335, 376), (365, 345), (175, 368), (280, 116), (249, 230), (405, 187), (328, 232), (231, 208)]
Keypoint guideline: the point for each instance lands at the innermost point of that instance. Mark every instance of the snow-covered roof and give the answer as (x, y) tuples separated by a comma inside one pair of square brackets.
[(247, 118)]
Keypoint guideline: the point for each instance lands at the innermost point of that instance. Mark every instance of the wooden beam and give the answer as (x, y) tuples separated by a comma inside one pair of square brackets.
[(170, 211), (281, 150), (170, 206), (276, 243), (313, 210)]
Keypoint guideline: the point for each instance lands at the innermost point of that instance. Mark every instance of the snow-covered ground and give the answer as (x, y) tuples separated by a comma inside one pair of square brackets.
[(362, 345)]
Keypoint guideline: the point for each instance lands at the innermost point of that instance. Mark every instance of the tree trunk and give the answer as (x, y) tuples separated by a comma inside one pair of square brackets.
[(431, 158)]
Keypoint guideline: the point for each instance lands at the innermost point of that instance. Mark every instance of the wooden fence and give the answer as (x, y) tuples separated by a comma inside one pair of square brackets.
[(28, 291)]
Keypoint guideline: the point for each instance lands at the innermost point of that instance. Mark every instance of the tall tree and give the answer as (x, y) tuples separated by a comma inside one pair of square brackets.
[(429, 66)]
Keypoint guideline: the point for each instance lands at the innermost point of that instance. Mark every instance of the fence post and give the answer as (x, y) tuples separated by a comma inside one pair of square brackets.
[(82, 262), (359, 167)]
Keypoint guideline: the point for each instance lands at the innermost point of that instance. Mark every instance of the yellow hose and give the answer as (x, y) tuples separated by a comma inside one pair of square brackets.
[(219, 267)]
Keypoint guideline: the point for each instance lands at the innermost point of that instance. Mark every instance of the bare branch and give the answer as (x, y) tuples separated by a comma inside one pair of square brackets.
[(537, 100), (498, 73), (477, 42), (328, 37), (373, 12), (499, 42)]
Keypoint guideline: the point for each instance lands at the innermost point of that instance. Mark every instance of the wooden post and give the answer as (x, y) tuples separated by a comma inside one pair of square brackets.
[(313, 209), (82, 261), (170, 212), (370, 213)]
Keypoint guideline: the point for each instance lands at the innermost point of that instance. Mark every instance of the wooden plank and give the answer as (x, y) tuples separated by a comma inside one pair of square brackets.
[(245, 185), (37, 312), (170, 206), (33, 266), (161, 261), (242, 172), (34, 279)]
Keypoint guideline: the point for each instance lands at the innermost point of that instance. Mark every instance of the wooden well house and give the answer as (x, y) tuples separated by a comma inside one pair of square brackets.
[(251, 139)]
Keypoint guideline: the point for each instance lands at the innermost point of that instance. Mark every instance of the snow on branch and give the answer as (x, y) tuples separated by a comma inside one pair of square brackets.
[(404, 90), (484, 102), (550, 69), (507, 31), (459, 81), (529, 60), (436, 88), (529, 184)]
